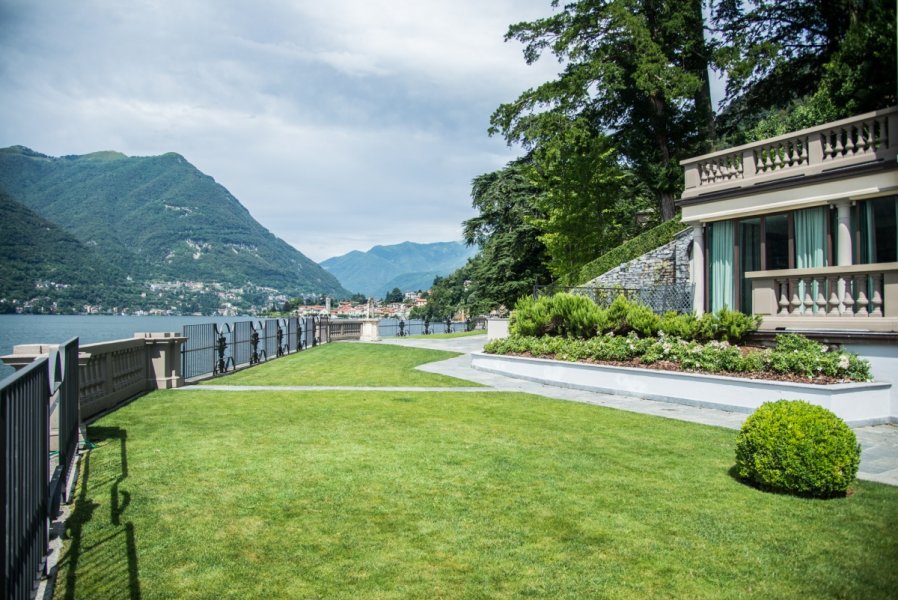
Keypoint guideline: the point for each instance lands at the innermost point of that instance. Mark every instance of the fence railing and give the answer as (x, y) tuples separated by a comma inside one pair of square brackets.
[(402, 327), (857, 140), (660, 299), (214, 349), (65, 418), (30, 400)]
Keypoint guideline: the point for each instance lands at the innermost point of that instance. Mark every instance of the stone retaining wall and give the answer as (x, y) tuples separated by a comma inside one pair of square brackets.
[(666, 265)]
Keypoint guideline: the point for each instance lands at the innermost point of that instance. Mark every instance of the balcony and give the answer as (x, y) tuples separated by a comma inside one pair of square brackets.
[(853, 297), (855, 143)]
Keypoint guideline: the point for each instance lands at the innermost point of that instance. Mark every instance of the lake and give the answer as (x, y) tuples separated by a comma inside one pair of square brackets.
[(56, 329)]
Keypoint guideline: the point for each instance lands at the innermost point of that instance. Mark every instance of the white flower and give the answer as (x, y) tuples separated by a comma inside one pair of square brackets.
[(844, 361)]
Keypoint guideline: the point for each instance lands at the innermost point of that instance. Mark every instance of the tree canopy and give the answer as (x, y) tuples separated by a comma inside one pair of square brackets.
[(602, 141)]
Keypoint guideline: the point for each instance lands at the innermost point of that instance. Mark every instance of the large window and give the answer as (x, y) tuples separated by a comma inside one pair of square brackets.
[(878, 239)]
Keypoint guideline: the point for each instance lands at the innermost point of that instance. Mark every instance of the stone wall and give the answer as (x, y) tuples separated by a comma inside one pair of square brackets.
[(666, 265)]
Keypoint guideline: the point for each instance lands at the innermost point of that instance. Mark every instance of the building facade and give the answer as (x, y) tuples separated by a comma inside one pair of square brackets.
[(802, 228)]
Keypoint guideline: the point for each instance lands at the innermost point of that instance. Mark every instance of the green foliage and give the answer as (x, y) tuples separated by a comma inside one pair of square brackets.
[(797, 354), (638, 69), (727, 325), (792, 64), (394, 296), (796, 447), (680, 325), (563, 315), (710, 357), (632, 248), (571, 315), (512, 257)]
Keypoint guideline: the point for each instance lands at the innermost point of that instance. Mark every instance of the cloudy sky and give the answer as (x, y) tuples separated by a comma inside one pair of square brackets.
[(339, 124)]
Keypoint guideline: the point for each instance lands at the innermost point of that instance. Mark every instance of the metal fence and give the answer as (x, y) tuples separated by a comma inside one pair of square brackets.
[(27, 399), (214, 349), (65, 403), (662, 298), (401, 327)]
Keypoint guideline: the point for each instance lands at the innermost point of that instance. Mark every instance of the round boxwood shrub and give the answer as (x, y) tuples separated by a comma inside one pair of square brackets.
[(796, 447)]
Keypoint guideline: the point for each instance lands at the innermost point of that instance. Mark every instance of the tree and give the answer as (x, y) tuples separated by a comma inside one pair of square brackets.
[(393, 296), (590, 200), (798, 63), (512, 256), (637, 69)]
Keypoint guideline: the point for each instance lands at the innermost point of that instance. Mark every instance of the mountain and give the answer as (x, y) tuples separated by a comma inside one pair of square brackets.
[(159, 218), (408, 266), (41, 264)]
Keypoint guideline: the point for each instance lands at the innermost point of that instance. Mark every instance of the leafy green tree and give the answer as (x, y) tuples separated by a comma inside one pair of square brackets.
[(796, 63), (512, 256), (394, 295), (589, 201), (635, 68)]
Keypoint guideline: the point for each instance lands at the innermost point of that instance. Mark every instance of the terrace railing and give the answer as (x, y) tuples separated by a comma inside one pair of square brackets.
[(41, 396), (214, 349), (867, 138), (855, 296)]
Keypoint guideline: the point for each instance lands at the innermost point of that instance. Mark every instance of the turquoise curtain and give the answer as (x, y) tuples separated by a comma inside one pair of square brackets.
[(810, 243), (720, 261)]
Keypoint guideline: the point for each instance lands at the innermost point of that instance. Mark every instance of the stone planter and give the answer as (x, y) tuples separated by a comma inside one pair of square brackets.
[(856, 403)]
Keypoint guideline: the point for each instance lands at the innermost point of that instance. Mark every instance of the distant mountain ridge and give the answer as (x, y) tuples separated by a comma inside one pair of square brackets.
[(408, 266), (158, 218)]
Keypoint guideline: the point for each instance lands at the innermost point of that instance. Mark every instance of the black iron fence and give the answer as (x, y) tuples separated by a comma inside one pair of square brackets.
[(213, 348), (28, 399), (65, 404), (402, 327), (662, 298)]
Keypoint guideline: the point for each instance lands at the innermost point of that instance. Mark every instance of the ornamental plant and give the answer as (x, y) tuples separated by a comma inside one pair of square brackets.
[(796, 447)]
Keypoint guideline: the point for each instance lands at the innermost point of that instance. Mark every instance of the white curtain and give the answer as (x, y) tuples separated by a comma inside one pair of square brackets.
[(720, 261)]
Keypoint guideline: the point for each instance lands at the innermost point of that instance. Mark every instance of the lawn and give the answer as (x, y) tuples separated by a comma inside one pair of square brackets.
[(349, 364), (197, 494)]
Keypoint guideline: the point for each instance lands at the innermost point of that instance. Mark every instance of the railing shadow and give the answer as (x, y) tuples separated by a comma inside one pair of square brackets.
[(110, 563)]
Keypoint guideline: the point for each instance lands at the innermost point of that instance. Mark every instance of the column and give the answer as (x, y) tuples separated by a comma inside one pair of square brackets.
[(843, 234), (698, 268)]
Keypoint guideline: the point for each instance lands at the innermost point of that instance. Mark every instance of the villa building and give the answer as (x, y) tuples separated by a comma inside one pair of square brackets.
[(801, 228)]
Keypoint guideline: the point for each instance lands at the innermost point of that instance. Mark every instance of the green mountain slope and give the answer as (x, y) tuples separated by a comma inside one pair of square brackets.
[(40, 264), (408, 266), (159, 217)]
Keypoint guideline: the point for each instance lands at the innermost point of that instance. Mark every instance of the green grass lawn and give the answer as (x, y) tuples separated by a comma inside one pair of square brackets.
[(349, 364), (198, 494)]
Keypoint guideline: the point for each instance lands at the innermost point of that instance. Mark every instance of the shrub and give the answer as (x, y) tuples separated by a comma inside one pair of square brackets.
[(565, 315), (683, 326), (727, 325), (796, 447), (642, 320), (529, 317), (799, 355)]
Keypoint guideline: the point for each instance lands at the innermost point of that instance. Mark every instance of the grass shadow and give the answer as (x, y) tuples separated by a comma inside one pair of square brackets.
[(113, 558)]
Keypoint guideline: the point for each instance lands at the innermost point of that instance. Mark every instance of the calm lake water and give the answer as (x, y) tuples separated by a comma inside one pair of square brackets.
[(56, 329)]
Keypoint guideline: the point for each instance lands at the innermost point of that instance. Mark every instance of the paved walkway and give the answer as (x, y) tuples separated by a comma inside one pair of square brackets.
[(879, 443)]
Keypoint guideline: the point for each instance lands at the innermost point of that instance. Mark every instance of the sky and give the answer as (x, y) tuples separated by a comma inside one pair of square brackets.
[(340, 125)]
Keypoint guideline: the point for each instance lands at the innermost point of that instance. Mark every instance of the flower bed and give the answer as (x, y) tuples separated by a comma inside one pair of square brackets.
[(795, 358)]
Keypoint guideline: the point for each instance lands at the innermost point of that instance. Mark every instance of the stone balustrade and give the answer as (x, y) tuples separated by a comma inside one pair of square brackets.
[(825, 297), (111, 372), (867, 138)]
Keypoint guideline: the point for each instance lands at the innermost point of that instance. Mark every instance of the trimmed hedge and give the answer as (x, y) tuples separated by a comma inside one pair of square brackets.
[(796, 447), (631, 249)]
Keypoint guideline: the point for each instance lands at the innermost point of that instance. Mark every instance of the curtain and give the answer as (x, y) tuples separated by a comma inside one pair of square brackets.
[(721, 249), (810, 245)]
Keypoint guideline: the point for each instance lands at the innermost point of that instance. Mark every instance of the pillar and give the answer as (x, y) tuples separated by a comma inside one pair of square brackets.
[(698, 268)]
